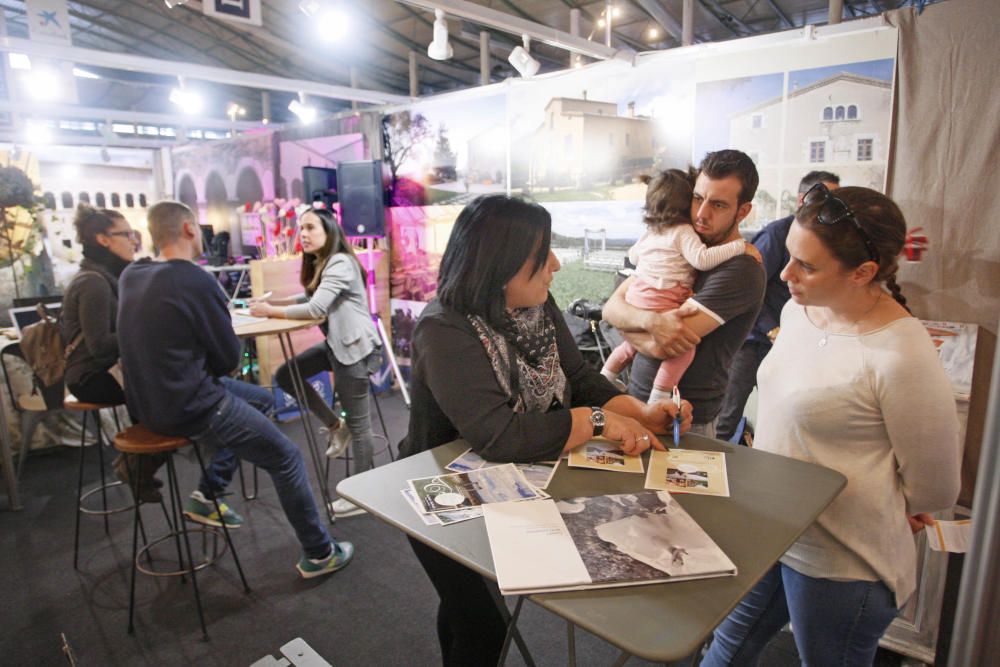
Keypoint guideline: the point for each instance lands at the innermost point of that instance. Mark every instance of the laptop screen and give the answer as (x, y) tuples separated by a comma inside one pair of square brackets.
[(22, 317)]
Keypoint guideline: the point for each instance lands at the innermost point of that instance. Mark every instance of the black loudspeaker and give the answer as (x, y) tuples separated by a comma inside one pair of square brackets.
[(362, 207), (319, 184)]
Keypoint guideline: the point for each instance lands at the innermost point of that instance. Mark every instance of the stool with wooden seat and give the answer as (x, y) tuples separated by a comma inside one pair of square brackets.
[(138, 439), (93, 410)]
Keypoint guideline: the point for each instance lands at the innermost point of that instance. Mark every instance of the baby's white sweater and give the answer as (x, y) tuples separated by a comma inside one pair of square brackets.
[(879, 408)]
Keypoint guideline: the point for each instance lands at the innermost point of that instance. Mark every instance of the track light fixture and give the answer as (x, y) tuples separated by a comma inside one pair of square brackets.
[(174, 3), (188, 100), (440, 48), (306, 113), (522, 61)]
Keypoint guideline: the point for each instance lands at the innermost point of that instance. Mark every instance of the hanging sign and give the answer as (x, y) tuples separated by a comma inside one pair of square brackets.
[(48, 21), (238, 11)]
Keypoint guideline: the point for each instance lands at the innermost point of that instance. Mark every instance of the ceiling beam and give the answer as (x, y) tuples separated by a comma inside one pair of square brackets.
[(51, 111), (163, 67)]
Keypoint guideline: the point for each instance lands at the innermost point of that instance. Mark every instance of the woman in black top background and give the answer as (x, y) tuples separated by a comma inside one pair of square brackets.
[(494, 363)]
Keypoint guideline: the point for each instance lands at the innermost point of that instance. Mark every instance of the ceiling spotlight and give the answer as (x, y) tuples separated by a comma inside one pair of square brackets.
[(332, 25), (188, 100), (600, 23), (234, 110), (309, 7), (440, 48), (653, 33), (522, 61), (19, 60), (84, 74), (306, 113), (43, 85), (37, 133), (616, 12)]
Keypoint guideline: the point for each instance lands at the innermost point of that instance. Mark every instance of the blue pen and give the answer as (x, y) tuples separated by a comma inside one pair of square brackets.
[(677, 418)]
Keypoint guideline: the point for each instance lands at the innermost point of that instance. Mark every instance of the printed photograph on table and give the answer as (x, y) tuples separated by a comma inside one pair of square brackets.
[(603, 454), (688, 471), (463, 490), (539, 473), (447, 518)]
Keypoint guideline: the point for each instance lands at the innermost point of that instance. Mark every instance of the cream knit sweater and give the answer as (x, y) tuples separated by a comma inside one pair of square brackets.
[(879, 408)]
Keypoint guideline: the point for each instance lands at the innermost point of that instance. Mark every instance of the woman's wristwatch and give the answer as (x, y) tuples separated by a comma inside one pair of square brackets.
[(597, 420)]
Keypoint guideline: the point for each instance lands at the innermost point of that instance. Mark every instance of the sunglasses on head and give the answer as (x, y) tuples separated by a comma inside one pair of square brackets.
[(833, 209)]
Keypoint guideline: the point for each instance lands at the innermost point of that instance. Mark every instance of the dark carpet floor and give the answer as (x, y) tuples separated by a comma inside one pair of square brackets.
[(380, 610)]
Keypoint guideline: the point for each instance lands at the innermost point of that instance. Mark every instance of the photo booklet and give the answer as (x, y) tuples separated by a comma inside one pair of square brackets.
[(688, 471), (599, 542)]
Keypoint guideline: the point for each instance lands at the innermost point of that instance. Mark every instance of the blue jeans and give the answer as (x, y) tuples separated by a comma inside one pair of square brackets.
[(834, 622), (239, 427)]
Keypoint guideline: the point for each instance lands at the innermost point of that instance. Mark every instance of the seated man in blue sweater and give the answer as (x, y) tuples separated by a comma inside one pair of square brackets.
[(177, 346)]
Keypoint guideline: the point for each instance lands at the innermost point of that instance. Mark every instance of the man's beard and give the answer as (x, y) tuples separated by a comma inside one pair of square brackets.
[(721, 236)]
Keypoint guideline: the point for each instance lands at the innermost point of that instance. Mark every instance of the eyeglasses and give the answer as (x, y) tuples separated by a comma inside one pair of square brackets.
[(833, 209)]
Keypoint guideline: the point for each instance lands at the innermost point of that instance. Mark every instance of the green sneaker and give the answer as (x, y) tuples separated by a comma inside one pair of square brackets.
[(199, 508), (341, 555)]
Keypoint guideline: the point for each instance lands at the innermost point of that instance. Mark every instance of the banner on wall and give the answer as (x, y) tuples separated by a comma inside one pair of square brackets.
[(246, 12), (577, 141)]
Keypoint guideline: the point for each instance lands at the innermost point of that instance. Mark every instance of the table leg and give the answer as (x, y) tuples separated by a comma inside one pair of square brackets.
[(8, 461), (298, 384), (512, 631), (570, 644)]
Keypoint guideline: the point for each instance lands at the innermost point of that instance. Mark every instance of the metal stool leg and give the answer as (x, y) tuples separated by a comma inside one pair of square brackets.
[(79, 494), (176, 496), (225, 529), (135, 549), (100, 458)]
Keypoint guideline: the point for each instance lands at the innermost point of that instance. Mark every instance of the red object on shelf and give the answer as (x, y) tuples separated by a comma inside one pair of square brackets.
[(247, 207), (916, 245)]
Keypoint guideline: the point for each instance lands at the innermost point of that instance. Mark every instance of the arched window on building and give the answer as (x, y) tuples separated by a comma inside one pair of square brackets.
[(142, 199), (84, 198), (99, 200), (852, 112), (67, 200), (840, 113), (50, 200), (116, 200), (827, 113), (129, 200)]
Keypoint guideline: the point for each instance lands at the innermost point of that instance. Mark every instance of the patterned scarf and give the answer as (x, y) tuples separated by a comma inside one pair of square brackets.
[(537, 382)]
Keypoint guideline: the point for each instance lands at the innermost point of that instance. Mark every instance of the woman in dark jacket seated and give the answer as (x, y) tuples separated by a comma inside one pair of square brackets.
[(494, 363), (89, 311)]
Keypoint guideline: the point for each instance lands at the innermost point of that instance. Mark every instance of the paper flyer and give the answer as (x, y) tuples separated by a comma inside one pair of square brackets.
[(953, 536), (688, 471), (604, 455), (539, 473), (463, 490)]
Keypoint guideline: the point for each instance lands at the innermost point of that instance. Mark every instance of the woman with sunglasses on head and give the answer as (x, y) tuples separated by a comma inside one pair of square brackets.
[(89, 314), (853, 383), (494, 363), (334, 283)]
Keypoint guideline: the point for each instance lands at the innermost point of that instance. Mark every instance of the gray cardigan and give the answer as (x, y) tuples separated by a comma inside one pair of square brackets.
[(341, 297)]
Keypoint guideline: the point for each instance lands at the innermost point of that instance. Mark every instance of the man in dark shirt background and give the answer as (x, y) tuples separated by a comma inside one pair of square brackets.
[(770, 241), (725, 303), (177, 348)]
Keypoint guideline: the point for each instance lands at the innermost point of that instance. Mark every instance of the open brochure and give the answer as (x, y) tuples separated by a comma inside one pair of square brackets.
[(604, 455), (539, 473), (462, 490), (599, 542), (688, 471)]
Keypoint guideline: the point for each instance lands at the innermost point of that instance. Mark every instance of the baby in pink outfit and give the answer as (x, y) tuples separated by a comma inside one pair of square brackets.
[(666, 258)]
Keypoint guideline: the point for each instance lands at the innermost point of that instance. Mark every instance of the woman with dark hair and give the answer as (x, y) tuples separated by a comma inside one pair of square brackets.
[(494, 363), (334, 283), (853, 383), (89, 313)]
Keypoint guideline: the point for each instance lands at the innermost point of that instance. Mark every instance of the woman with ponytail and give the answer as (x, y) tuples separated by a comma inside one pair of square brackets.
[(89, 311), (334, 283), (853, 383)]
